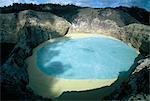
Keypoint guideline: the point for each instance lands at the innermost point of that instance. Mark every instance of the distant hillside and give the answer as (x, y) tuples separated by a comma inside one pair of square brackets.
[(68, 11)]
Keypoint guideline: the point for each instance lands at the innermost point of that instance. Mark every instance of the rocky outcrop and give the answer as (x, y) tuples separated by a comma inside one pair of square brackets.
[(13, 25), (138, 35), (113, 23), (90, 20)]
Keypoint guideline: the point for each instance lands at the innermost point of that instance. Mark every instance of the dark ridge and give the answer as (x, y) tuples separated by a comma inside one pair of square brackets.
[(68, 11), (65, 11), (5, 49), (14, 93), (16, 7), (139, 14)]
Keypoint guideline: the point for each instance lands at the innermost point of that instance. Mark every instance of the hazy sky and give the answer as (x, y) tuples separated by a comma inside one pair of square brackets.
[(91, 3)]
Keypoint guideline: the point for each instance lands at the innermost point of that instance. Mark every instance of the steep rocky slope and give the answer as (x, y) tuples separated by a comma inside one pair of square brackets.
[(12, 25), (26, 29), (36, 26), (30, 29)]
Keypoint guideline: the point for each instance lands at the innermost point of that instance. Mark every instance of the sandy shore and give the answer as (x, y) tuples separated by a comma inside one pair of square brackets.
[(51, 87)]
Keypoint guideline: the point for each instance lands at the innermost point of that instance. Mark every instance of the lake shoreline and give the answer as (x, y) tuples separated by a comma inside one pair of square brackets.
[(55, 86)]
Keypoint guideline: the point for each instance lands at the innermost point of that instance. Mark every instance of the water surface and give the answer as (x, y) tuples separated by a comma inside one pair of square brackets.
[(85, 58)]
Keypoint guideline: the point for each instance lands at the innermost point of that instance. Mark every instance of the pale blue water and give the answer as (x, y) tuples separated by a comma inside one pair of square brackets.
[(85, 58)]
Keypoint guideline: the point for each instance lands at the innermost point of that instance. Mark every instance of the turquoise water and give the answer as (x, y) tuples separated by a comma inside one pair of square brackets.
[(85, 58)]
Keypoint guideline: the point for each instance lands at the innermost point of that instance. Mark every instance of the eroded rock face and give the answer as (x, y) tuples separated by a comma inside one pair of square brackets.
[(33, 28), (138, 36), (100, 21), (13, 25), (113, 23), (8, 28)]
